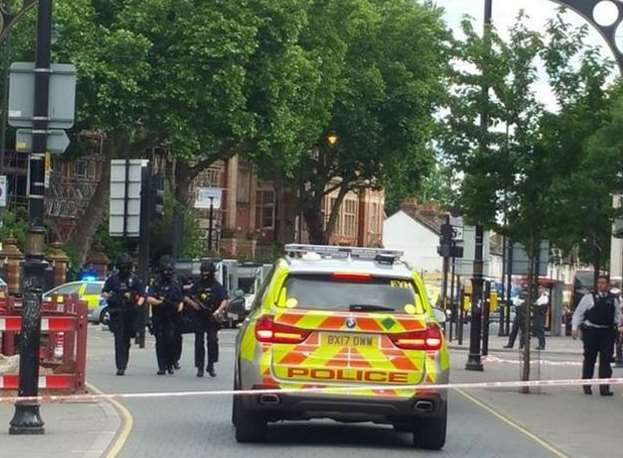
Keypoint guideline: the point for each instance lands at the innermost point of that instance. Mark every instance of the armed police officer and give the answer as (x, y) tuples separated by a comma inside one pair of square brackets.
[(209, 298), (166, 299), (124, 293), (597, 316)]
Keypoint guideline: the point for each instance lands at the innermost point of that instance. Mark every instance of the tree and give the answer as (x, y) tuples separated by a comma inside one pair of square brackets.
[(582, 205), (494, 138), (380, 85)]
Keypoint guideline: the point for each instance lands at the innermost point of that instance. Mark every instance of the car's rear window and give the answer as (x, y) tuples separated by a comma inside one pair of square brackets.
[(374, 294)]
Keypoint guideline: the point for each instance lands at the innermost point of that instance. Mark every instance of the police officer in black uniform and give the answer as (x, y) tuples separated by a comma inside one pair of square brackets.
[(519, 322), (208, 297), (598, 315), (124, 293), (167, 300)]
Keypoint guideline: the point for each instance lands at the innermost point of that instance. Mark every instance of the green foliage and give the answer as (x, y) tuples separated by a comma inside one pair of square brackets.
[(192, 244), (505, 173), (14, 223)]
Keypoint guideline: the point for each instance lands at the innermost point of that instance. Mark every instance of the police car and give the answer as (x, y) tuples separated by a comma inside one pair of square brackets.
[(346, 334)]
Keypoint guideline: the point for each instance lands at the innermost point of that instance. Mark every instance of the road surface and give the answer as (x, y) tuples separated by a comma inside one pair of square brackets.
[(190, 427)]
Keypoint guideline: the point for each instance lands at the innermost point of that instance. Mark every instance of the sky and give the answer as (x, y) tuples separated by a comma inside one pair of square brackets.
[(504, 14)]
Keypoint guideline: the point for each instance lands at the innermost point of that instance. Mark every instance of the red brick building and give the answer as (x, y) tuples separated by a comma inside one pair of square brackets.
[(257, 215)]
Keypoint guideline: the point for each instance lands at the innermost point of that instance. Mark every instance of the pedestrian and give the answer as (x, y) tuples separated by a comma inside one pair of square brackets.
[(538, 316), (125, 294), (209, 298), (519, 321), (596, 317), (166, 299)]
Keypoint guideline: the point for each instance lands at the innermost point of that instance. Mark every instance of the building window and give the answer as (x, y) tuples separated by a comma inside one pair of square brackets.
[(81, 168), (350, 218), (265, 214)]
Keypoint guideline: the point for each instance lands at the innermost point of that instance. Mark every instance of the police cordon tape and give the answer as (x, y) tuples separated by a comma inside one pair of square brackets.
[(337, 389), (543, 362)]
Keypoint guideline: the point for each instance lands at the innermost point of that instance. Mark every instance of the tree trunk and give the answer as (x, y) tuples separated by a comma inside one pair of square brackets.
[(184, 176), (596, 264), (312, 212), (525, 373), (95, 212)]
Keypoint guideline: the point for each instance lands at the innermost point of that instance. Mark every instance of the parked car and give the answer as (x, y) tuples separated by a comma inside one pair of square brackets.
[(89, 291)]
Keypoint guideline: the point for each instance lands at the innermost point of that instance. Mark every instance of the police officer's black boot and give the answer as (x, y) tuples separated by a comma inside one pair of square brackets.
[(587, 389), (120, 371), (210, 370), (199, 372), (604, 390)]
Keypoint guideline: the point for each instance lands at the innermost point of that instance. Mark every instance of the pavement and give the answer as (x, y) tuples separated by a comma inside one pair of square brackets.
[(482, 422), (72, 430)]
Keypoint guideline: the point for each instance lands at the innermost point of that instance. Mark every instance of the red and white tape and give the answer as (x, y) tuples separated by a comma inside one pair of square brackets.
[(346, 389), (543, 362)]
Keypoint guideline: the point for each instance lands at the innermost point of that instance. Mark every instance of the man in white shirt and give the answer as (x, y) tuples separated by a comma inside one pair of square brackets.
[(598, 315)]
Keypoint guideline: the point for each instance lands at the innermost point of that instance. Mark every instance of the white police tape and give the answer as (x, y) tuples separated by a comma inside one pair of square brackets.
[(335, 389), (543, 362)]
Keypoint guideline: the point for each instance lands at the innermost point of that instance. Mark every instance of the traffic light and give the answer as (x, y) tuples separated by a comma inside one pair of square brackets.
[(157, 200)]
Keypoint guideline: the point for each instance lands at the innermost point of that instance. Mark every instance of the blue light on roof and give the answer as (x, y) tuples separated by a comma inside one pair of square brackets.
[(88, 278)]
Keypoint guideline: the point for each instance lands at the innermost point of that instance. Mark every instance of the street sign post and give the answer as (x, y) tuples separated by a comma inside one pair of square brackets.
[(62, 96), (57, 142), (125, 209), (3, 191), (209, 197)]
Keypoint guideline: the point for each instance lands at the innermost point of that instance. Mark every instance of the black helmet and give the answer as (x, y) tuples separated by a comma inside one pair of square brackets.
[(166, 263), (124, 262), (207, 266)]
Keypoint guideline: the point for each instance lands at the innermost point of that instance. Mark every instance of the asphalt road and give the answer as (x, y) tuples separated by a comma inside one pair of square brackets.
[(190, 427)]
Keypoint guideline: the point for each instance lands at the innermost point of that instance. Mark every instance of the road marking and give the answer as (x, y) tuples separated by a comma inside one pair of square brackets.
[(127, 424), (514, 425)]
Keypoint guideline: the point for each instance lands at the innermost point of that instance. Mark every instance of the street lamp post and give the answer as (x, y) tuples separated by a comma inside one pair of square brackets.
[(27, 419), (211, 223), (474, 360)]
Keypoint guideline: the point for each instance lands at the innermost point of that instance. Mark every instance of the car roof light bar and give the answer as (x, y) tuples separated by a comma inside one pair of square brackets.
[(343, 252)]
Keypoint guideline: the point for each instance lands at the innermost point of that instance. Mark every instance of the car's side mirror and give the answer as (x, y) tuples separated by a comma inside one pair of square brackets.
[(439, 315)]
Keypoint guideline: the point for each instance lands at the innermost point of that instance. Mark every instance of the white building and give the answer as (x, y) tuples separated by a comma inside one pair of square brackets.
[(415, 230)]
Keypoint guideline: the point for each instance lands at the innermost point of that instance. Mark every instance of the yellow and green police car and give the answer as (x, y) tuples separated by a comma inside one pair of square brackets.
[(346, 334), (88, 290)]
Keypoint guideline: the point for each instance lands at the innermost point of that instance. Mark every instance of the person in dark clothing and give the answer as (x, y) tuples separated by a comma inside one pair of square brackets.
[(539, 310), (597, 316), (208, 298), (519, 322), (124, 293), (166, 299), (185, 283)]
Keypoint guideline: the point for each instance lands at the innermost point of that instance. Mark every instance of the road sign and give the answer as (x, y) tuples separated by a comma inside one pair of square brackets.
[(62, 99), (3, 190), (117, 214), (58, 141), (465, 266), (205, 195), (520, 258)]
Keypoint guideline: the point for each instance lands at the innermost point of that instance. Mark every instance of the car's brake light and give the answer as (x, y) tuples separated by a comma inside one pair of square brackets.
[(351, 276), (267, 331), (423, 339)]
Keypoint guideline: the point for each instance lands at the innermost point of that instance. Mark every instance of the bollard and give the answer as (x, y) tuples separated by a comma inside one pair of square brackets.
[(59, 261), (12, 259)]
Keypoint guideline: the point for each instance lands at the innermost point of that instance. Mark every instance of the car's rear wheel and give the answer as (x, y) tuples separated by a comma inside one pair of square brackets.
[(430, 433), (250, 426)]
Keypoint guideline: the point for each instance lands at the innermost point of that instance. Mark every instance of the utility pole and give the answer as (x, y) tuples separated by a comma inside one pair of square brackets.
[(27, 419), (474, 360), (211, 224)]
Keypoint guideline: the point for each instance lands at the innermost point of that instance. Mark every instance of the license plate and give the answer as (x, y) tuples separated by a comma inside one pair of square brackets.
[(350, 340)]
